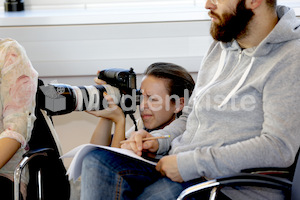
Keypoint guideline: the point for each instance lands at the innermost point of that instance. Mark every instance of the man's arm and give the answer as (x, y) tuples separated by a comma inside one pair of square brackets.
[(277, 144)]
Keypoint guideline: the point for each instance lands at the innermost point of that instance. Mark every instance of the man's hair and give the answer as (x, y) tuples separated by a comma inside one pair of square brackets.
[(271, 3)]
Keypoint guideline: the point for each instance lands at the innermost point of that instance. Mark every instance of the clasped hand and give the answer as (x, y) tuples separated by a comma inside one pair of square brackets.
[(112, 112), (167, 165)]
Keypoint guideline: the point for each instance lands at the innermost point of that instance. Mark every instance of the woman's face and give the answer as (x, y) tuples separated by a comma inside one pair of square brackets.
[(156, 109)]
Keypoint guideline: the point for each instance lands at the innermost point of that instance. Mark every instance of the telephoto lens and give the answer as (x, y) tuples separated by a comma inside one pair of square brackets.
[(13, 5), (59, 99)]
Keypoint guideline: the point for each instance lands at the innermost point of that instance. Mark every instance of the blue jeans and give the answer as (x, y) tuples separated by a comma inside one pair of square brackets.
[(108, 175)]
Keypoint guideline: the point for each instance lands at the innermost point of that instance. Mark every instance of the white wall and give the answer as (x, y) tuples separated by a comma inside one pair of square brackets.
[(81, 50)]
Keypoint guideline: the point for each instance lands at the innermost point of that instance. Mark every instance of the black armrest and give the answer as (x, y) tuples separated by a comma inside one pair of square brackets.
[(26, 158), (241, 179), (44, 151), (272, 171), (246, 179)]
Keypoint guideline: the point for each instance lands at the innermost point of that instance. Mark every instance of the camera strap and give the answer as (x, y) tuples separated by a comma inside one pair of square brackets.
[(134, 121)]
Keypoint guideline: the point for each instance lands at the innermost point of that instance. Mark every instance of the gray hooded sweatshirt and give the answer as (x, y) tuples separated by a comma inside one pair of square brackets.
[(244, 111)]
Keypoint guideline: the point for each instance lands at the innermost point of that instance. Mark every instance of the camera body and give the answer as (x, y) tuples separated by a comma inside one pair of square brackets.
[(59, 99), (124, 80)]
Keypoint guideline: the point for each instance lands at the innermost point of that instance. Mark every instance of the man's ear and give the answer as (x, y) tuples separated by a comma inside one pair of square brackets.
[(180, 106), (253, 4)]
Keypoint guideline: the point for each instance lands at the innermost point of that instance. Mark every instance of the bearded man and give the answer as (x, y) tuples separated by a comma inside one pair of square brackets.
[(244, 112)]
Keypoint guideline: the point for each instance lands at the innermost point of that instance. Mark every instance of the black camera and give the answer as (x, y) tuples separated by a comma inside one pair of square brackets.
[(14, 5), (59, 99)]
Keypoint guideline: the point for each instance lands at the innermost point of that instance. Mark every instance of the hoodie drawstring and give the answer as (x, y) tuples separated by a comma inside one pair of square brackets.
[(217, 74), (239, 84), (220, 67)]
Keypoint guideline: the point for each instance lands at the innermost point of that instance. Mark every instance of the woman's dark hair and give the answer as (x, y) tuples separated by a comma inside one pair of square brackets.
[(272, 3), (179, 79)]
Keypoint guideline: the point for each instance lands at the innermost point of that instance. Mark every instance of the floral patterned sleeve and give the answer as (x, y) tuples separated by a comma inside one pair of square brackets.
[(17, 92)]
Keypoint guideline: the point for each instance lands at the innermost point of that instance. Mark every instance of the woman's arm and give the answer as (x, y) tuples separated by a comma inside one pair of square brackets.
[(102, 133), (119, 133), (8, 147)]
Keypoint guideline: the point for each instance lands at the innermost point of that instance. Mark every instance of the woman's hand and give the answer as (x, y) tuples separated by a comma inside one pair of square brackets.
[(99, 81), (136, 143), (112, 112)]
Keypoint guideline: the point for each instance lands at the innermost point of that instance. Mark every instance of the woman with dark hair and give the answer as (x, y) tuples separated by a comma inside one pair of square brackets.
[(165, 88)]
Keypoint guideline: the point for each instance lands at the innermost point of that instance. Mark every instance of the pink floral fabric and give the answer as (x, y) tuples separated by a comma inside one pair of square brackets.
[(18, 84), (22, 95)]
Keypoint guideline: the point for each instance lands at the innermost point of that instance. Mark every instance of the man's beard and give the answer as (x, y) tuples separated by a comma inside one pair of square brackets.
[(232, 25)]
